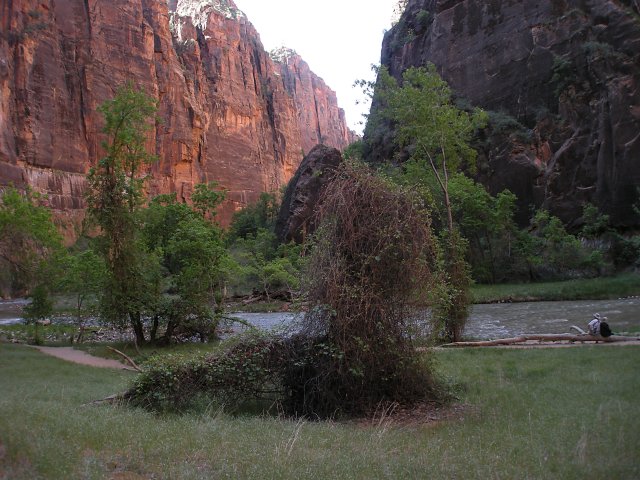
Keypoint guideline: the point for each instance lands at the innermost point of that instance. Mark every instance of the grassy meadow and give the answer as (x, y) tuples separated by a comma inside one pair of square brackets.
[(601, 288), (570, 413)]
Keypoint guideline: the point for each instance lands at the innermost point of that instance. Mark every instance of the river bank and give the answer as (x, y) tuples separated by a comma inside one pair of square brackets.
[(486, 321), (602, 288)]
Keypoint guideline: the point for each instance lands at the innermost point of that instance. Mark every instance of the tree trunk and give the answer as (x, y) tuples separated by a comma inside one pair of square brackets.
[(154, 329), (138, 328), (171, 325)]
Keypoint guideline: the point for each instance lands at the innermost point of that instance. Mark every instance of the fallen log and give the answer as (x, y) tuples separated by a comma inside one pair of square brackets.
[(561, 337)]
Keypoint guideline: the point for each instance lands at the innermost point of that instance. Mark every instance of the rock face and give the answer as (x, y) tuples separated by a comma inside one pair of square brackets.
[(296, 217), (562, 78), (228, 111)]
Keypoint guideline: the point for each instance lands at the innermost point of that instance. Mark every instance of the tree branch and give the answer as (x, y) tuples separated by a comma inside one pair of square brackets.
[(127, 358)]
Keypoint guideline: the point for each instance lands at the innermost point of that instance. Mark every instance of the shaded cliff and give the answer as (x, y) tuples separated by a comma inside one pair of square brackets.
[(561, 79), (227, 111)]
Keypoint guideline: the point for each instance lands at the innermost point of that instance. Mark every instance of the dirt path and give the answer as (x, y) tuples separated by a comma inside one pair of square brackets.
[(83, 358)]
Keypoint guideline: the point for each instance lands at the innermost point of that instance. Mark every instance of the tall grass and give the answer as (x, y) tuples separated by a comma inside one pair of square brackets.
[(602, 288), (560, 413)]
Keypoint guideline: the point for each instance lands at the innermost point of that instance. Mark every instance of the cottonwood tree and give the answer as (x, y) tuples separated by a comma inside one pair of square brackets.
[(38, 310), (436, 134), (28, 238), (191, 252), (114, 199), (83, 280)]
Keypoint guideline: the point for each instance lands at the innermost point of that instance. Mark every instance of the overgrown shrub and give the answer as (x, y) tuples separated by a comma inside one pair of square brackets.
[(247, 369), (370, 269)]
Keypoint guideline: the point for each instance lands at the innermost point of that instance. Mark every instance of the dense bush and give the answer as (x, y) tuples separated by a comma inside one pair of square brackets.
[(247, 369), (370, 269), (260, 215)]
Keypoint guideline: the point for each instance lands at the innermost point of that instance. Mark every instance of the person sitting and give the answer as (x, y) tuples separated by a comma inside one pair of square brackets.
[(605, 330), (594, 325)]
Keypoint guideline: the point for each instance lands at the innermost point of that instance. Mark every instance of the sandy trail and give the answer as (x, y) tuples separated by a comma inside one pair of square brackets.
[(83, 358)]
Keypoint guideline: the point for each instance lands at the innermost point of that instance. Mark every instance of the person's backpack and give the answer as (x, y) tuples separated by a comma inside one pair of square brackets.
[(605, 331)]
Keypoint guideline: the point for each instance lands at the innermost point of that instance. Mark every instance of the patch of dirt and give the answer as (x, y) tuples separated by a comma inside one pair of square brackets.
[(83, 358)]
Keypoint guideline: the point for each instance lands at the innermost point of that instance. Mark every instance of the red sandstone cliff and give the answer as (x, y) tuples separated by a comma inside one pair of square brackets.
[(228, 111)]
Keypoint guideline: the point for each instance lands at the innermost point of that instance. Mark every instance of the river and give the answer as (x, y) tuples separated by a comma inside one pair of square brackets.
[(485, 321), (500, 320)]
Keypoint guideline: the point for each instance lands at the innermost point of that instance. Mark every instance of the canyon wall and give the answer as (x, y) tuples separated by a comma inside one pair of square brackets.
[(561, 79), (228, 111)]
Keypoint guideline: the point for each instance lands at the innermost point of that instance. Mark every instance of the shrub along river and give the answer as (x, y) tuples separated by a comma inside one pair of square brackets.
[(486, 320)]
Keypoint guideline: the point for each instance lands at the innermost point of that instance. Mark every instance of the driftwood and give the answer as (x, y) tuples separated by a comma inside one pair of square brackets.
[(127, 358), (561, 337)]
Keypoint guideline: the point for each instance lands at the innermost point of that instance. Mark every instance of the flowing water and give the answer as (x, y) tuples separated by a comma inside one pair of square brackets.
[(486, 321), (501, 320), (11, 311)]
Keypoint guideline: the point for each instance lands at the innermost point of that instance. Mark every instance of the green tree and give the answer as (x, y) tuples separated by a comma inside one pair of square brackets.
[(193, 261), (436, 134), (38, 310), (267, 266), (595, 224), (83, 279), (355, 151), (28, 238), (259, 215), (206, 199), (196, 252), (114, 199), (555, 248), (488, 224)]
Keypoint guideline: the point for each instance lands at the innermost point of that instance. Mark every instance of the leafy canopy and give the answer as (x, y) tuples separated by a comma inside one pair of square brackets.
[(28, 237), (426, 120)]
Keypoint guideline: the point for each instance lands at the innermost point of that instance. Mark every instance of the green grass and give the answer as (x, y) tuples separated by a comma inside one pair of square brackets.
[(602, 288), (143, 353), (569, 413)]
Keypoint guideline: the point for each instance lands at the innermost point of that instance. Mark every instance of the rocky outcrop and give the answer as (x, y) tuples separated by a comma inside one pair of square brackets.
[(562, 80), (227, 111), (297, 212)]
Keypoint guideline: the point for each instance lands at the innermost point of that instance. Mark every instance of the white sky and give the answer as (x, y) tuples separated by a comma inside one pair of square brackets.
[(339, 39)]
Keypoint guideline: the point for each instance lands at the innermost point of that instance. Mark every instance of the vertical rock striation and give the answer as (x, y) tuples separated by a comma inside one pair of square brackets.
[(227, 111), (563, 75)]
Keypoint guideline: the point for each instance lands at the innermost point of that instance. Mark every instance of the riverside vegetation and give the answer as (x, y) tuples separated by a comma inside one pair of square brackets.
[(389, 242)]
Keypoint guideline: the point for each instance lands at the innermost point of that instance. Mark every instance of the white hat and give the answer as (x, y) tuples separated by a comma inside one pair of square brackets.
[(596, 315)]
